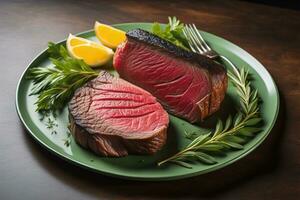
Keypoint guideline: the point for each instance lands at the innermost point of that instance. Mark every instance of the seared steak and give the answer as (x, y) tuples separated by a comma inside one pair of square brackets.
[(188, 85), (112, 117)]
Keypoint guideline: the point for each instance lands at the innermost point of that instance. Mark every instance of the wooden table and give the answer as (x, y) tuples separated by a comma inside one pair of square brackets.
[(270, 34)]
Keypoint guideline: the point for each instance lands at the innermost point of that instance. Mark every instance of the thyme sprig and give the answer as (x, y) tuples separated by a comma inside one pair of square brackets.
[(230, 135), (68, 140)]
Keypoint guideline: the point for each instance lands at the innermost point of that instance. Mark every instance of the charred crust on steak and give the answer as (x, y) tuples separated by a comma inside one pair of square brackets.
[(157, 42), (213, 71)]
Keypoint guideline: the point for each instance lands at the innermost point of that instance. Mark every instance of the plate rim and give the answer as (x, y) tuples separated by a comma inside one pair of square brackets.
[(149, 178)]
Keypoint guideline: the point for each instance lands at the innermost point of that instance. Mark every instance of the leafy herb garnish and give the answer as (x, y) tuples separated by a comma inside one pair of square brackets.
[(173, 32), (226, 136), (56, 85)]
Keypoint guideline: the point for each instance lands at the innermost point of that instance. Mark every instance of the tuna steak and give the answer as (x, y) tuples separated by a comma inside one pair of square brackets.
[(188, 85), (112, 117)]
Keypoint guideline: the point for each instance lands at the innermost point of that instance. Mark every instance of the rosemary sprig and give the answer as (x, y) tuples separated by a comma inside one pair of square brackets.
[(56, 85), (226, 136)]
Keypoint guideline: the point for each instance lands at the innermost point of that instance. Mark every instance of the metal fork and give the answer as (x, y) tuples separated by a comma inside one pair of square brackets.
[(198, 44)]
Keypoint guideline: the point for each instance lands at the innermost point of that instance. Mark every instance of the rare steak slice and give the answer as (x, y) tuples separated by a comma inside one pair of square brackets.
[(112, 117), (188, 85)]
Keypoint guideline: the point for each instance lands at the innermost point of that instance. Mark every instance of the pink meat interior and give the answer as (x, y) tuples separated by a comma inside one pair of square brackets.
[(176, 84), (110, 104)]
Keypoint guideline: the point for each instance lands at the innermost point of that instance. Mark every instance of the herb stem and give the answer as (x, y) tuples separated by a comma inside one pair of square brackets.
[(56, 85), (175, 156), (231, 136)]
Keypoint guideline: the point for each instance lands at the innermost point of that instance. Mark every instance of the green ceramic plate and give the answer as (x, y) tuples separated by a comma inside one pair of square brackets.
[(144, 167)]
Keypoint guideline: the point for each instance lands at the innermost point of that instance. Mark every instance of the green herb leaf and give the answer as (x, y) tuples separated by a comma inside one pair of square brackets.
[(182, 163), (56, 85), (156, 28), (232, 135), (206, 158)]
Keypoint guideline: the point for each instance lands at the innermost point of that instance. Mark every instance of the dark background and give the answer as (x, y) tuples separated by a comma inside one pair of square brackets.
[(290, 4), (268, 31)]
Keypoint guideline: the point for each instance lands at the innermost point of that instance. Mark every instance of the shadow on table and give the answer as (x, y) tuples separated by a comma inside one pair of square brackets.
[(263, 160)]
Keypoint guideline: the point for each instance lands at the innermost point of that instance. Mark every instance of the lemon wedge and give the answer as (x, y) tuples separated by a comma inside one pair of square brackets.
[(90, 52), (109, 36)]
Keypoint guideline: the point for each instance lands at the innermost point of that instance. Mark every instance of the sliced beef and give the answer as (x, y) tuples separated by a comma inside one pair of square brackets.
[(112, 117), (188, 85)]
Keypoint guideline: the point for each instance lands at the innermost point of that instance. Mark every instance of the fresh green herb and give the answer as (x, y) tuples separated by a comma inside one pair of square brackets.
[(190, 135), (68, 140), (173, 32), (44, 115), (226, 136), (50, 124), (56, 85)]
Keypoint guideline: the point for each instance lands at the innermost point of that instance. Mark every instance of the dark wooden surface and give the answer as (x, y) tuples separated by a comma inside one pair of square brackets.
[(270, 34)]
